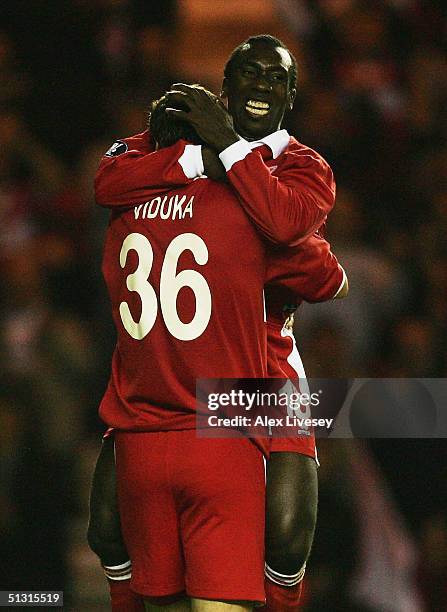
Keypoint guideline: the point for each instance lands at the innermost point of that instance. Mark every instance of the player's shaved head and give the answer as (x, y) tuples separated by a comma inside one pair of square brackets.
[(269, 41), (165, 130)]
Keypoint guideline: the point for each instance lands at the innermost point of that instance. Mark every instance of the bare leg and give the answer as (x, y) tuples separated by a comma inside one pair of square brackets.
[(292, 497), (104, 530)]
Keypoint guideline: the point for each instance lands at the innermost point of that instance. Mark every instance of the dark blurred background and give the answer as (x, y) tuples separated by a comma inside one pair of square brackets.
[(372, 98)]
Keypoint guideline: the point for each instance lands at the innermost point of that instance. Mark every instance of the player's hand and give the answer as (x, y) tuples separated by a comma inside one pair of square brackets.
[(214, 168), (206, 113)]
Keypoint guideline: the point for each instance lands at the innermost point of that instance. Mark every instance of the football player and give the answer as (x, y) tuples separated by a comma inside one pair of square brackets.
[(287, 182)]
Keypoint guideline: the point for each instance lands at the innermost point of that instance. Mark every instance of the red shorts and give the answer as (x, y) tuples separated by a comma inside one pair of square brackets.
[(192, 514), (282, 347)]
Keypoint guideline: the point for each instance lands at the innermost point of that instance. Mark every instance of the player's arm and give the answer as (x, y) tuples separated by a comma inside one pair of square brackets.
[(131, 172), (310, 271), (286, 208)]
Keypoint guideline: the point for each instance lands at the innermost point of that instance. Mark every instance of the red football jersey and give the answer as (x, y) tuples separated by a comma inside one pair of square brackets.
[(286, 188), (308, 272), (133, 172), (291, 172), (185, 273)]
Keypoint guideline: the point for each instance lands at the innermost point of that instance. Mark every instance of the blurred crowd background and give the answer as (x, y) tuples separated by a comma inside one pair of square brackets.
[(75, 75)]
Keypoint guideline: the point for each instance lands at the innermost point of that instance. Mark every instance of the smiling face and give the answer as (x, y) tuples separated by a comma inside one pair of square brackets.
[(258, 89)]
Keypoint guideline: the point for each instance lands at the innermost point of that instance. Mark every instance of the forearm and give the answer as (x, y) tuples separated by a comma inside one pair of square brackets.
[(214, 168)]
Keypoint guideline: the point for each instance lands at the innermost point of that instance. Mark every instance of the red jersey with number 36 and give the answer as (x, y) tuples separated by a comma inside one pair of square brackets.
[(185, 273)]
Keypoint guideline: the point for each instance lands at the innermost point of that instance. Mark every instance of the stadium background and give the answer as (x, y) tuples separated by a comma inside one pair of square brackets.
[(77, 74)]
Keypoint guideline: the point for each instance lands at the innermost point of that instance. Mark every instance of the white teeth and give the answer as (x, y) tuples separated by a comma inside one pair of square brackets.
[(256, 111), (256, 107), (258, 104)]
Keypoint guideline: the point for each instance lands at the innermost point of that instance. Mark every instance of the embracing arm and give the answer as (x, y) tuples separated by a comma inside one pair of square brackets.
[(134, 172), (139, 172), (288, 207), (310, 271)]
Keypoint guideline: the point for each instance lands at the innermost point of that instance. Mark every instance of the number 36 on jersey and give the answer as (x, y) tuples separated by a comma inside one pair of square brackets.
[(170, 285)]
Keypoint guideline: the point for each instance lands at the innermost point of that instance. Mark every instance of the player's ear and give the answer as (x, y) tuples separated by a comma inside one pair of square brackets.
[(157, 146), (291, 98)]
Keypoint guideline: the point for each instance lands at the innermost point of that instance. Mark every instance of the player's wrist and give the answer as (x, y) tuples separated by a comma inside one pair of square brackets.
[(213, 166), (225, 141)]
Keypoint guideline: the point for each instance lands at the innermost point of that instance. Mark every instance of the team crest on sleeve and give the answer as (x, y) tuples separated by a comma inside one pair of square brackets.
[(118, 148)]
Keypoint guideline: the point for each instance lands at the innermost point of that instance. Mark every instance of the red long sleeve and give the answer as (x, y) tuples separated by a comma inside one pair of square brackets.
[(287, 202), (139, 173), (310, 270)]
